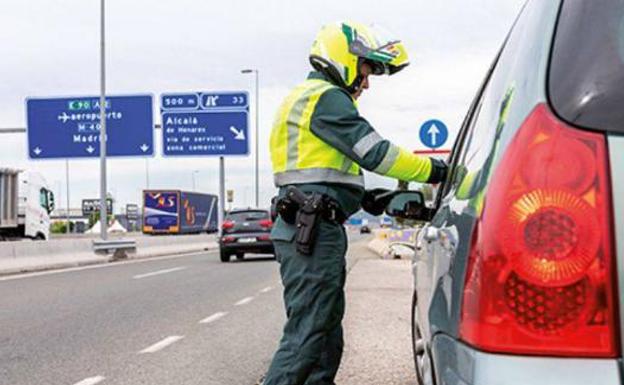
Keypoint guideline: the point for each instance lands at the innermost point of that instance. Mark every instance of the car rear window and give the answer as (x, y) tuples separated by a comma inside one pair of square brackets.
[(587, 67), (242, 216)]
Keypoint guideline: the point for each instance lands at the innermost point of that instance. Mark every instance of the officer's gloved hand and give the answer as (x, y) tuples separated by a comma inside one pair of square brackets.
[(376, 200), (439, 169)]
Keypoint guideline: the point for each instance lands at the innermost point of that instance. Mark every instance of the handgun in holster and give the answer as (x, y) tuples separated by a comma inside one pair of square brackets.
[(304, 211)]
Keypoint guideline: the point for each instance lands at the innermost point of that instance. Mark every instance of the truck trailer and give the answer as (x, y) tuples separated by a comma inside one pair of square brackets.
[(179, 212), (25, 206)]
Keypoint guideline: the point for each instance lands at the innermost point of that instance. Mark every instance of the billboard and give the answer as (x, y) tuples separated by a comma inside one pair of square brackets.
[(92, 206)]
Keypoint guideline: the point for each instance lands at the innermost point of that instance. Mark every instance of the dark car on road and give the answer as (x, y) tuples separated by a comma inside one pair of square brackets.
[(519, 272), (245, 231)]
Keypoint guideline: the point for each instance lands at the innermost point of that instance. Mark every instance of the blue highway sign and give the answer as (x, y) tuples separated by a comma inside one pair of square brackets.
[(223, 100), (179, 101), (433, 133), (70, 127), (205, 124)]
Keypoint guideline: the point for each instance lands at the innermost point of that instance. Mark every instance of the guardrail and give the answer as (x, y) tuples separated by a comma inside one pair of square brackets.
[(118, 247), (22, 256)]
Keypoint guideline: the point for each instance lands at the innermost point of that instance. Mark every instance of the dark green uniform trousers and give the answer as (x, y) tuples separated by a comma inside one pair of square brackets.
[(311, 347)]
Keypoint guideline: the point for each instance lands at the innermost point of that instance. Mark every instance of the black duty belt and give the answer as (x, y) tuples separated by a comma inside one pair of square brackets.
[(305, 211), (294, 199)]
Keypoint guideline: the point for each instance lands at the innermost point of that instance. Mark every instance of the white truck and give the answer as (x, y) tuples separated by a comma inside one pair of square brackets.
[(25, 206)]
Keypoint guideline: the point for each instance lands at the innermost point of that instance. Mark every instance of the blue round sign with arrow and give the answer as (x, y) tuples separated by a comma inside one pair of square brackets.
[(433, 133)]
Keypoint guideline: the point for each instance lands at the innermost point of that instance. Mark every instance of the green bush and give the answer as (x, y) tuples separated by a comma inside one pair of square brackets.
[(60, 227)]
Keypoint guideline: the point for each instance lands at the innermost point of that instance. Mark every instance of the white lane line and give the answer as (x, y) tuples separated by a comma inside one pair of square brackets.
[(161, 344), (244, 301), (90, 381), (159, 272), (213, 317), (106, 265), (266, 289)]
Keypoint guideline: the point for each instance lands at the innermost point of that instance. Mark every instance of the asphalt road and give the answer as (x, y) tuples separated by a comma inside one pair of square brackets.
[(180, 320)]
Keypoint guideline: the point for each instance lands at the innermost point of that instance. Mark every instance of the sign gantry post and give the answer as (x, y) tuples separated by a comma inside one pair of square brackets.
[(68, 229), (103, 211)]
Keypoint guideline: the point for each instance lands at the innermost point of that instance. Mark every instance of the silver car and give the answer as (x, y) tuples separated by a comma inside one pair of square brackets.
[(518, 273)]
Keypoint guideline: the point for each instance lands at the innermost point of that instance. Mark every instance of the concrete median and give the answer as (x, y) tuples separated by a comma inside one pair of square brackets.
[(26, 256)]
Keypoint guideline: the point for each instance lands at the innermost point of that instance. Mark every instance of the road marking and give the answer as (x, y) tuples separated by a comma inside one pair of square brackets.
[(244, 301), (266, 289), (104, 265), (213, 318), (161, 344), (159, 272), (90, 381)]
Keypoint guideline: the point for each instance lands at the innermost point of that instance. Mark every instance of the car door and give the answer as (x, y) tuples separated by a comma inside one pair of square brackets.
[(514, 84), (430, 256)]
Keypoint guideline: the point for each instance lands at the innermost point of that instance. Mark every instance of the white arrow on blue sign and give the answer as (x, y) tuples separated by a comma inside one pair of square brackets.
[(433, 133)]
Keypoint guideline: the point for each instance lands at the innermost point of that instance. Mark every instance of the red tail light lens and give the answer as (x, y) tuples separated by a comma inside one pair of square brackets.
[(540, 274), (264, 237), (228, 239), (227, 225), (266, 223)]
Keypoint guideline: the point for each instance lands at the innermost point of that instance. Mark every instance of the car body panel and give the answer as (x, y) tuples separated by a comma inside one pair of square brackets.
[(616, 151), (257, 247), (459, 364)]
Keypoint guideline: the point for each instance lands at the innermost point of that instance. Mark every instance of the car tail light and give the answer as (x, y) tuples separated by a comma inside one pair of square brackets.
[(228, 239), (540, 277), (264, 237), (227, 225), (266, 223)]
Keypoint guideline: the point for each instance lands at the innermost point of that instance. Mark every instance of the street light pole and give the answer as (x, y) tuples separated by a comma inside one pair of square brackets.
[(257, 74), (103, 209), (257, 140)]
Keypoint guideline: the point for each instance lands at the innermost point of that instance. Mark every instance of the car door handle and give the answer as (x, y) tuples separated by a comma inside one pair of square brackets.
[(431, 234)]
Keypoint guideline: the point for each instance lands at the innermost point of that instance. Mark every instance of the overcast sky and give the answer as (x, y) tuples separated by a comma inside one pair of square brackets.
[(51, 48)]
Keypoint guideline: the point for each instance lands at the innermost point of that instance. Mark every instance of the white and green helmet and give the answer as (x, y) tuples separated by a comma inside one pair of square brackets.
[(341, 48)]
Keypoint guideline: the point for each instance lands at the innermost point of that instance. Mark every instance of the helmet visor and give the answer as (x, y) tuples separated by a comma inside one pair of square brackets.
[(376, 46)]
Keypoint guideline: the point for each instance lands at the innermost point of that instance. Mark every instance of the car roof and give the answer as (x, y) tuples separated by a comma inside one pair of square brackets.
[(235, 211)]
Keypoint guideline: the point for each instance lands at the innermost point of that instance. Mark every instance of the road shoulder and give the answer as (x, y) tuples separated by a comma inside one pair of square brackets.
[(377, 322)]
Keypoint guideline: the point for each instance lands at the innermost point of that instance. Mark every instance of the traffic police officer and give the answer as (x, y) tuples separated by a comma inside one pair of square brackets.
[(318, 143)]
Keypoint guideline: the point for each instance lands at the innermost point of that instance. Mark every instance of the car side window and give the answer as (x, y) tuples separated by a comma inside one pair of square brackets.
[(43, 198), (506, 99), (455, 157)]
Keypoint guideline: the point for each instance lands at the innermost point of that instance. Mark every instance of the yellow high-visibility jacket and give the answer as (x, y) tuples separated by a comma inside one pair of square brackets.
[(319, 138)]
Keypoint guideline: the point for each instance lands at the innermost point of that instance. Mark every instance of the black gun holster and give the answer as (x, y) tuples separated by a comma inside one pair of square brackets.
[(305, 211)]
